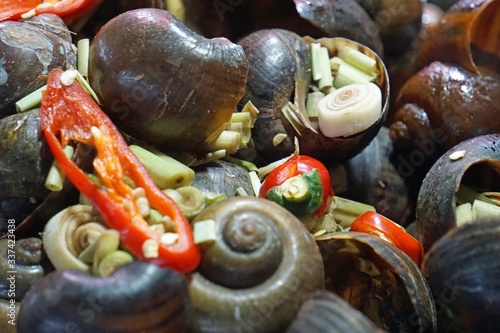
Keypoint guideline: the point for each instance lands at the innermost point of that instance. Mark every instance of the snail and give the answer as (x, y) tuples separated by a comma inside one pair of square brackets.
[(255, 271), (280, 68), (479, 167), (138, 297), (28, 54), (28, 266), (442, 105), (466, 36), (170, 87), (326, 312), (9, 311), (379, 280), (462, 271)]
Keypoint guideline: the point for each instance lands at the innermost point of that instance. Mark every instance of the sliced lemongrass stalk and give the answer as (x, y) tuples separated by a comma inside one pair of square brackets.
[(493, 196), (83, 57), (467, 194), (481, 209), (108, 242), (55, 177), (463, 214), (278, 138), (30, 101), (316, 61), (252, 110), (320, 224), (255, 181), (349, 110), (212, 156), (289, 111), (176, 7), (358, 59), (240, 192), (245, 118), (189, 199), (165, 172), (112, 261), (211, 197), (347, 74), (227, 140), (204, 231), (326, 80), (266, 169), (86, 86), (312, 101), (243, 163), (345, 211)]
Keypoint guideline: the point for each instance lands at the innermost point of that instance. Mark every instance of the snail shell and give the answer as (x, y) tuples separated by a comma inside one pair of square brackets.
[(379, 280), (28, 55), (442, 105), (325, 312), (260, 267), (436, 202), (138, 297), (466, 35), (169, 86), (463, 272)]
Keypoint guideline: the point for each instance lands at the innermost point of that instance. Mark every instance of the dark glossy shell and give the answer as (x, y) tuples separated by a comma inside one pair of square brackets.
[(463, 273), (164, 84), (255, 275), (378, 279), (29, 266), (325, 312), (24, 161), (138, 297), (28, 55), (375, 177), (467, 35), (444, 104), (435, 211)]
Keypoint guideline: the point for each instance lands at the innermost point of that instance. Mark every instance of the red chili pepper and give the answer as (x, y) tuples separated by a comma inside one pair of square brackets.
[(68, 113), (66, 9), (299, 165), (379, 225)]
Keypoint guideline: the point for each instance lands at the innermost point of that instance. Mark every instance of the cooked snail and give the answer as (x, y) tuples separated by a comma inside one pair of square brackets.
[(138, 297), (479, 167), (462, 271), (256, 271), (379, 280), (28, 54), (169, 87)]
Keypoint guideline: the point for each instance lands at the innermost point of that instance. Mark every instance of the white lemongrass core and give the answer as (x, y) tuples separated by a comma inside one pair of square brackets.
[(349, 110)]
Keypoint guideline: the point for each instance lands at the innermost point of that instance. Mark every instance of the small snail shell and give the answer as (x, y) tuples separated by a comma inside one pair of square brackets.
[(138, 297), (268, 297)]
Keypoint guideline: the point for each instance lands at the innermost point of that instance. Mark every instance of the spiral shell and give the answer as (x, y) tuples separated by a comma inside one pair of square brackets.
[(274, 261)]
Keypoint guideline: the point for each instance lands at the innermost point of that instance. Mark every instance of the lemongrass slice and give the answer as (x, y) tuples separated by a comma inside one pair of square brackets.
[(349, 110)]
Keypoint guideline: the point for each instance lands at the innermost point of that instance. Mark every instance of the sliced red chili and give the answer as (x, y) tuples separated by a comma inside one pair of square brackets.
[(69, 114)]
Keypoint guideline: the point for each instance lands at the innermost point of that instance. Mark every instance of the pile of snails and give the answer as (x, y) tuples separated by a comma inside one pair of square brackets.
[(172, 74)]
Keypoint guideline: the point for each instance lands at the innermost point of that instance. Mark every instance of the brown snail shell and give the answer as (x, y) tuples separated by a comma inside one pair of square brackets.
[(164, 84), (442, 105), (379, 280), (256, 273), (463, 272), (9, 311), (28, 54), (272, 80), (29, 266), (138, 297), (435, 210), (466, 35), (325, 312)]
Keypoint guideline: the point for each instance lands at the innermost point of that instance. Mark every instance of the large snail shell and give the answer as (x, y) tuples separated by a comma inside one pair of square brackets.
[(138, 297), (444, 104), (325, 312), (467, 35), (257, 272), (28, 55), (435, 211), (378, 279), (463, 270), (164, 84), (25, 160)]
